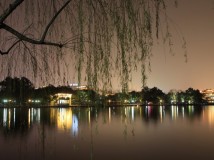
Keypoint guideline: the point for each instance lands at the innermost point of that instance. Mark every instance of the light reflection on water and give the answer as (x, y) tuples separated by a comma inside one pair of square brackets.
[(116, 132)]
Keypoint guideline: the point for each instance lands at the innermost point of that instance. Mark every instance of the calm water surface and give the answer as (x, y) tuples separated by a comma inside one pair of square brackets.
[(113, 133)]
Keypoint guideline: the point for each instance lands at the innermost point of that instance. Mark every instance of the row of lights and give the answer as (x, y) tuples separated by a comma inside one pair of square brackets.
[(160, 101), (14, 101), (34, 101), (8, 101)]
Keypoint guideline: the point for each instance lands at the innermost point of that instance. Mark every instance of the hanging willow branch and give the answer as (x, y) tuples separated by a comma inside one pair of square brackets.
[(101, 39)]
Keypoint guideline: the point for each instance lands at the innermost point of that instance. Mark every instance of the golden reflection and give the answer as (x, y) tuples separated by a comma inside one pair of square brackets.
[(29, 118), (132, 113), (62, 117), (64, 120), (183, 112), (161, 113), (208, 115), (89, 116), (109, 114), (141, 115), (9, 118), (33, 115), (173, 114)]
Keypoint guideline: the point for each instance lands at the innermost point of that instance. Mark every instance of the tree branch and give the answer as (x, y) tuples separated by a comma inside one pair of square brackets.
[(9, 10), (27, 39), (6, 52), (23, 37), (53, 19)]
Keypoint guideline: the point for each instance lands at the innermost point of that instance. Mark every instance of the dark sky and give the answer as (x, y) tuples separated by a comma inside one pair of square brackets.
[(193, 19)]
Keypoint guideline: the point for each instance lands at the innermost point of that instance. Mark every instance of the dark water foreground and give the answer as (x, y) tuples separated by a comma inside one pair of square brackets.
[(114, 133)]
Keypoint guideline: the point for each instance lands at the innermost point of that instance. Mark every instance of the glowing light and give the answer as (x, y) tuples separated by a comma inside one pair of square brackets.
[(161, 113), (14, 116), (183, 112), (38, 115), (32, 113), (161, 101), (174, 112), (74, 84), (5, 100), (34, 101), (89, 116), (5, 117), (37, 101), (62, 99), (132, 113), (64, 120), (9, 118), (109, 114), (29, 115)]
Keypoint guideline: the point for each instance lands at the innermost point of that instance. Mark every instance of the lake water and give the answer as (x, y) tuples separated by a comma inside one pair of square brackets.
[(112, 133)]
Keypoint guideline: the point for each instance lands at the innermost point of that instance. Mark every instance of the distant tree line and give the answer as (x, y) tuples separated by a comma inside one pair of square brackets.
[(20, 90), (155, 96)]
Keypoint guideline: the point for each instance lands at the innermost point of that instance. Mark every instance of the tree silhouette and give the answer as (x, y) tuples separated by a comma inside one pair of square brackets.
[(19, 89), (154, 95)]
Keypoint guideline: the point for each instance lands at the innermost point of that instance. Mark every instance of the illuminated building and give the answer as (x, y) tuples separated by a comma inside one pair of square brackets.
[(61, 99), (76, 86), (208, 95)]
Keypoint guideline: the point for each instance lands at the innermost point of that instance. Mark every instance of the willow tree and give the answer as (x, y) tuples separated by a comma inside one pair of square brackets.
[(100, 39)]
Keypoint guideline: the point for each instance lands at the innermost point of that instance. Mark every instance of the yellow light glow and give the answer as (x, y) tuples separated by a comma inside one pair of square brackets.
[(64, 119), (29, 118)]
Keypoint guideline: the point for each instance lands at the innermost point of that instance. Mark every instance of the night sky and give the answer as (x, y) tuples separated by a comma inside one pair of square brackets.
[(192, 19)]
